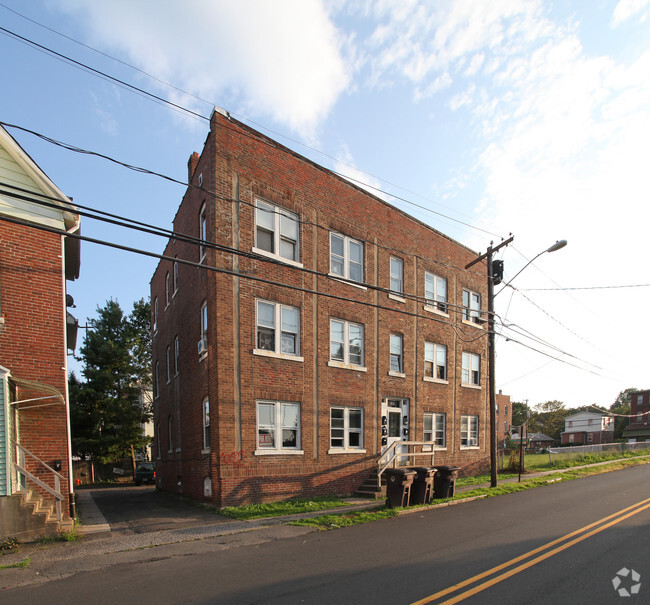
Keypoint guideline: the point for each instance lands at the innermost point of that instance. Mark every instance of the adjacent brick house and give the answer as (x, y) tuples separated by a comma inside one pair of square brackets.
[(503, 415), (586, 428), (313, 326), (639, 427), (35, 332)]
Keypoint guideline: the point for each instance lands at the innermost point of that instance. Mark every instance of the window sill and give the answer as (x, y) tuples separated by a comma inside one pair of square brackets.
[(472, 323), (432, 309), (279, 453), (470, 447), (437, 380), (281, 259), (264, 353), (346, 366), (396, 374), (202, 356), (2, 320), (344, 280), (340, 450), (178, 450), (207, 450), (397, 298), (476, 387)]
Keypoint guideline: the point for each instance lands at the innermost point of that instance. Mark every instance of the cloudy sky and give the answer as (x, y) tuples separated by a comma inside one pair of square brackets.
[(480, 118)]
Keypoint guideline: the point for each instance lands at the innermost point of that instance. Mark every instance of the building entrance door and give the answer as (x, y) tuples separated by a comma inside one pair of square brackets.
[(395, 422)]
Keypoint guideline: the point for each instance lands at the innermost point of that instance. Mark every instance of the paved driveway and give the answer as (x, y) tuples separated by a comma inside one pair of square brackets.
[(130, 509)]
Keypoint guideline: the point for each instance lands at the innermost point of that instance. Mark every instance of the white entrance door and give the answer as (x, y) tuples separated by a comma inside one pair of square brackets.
[(396, 413)]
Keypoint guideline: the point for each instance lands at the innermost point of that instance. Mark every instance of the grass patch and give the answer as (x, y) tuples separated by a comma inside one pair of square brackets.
[(482, 479), (64, 536), (335, 521), (276, 509), (9, 544), (20, 565), (541, 462)]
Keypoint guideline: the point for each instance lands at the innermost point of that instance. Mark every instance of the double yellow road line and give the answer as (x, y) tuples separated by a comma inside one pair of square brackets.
[(506, 570)]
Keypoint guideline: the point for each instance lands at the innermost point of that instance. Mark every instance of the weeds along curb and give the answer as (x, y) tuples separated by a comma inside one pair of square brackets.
[(417, 509)]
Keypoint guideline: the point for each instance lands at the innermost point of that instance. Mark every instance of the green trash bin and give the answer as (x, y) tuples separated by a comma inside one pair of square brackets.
[(422, 488), (444, 484), (398, 486)]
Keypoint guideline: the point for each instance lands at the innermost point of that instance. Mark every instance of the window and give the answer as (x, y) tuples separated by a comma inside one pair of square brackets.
[(471, 372), (434, 429), (471, 306), (468, 431), (155, 315), (506, 409), (435, 291), (156, 382), (346, 428), (177, 352), (270, 316), (276, 231), (346, 342), (169, 364), (204, 321), (435, 361), (167, 289), (175, 277), (346, 257), (396, 275), (639, 398), (203, 233), (396, 354), (170, 434), (158, 441), (278, 426), (206, 424)]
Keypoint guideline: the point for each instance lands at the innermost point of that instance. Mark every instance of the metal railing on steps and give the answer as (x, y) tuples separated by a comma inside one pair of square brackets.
[(398, 450)]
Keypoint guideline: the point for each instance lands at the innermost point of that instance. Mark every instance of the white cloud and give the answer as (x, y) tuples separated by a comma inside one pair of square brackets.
[(626, 9), (285, 59)]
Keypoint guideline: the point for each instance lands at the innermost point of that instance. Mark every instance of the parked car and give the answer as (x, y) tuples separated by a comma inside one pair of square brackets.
[(145, 472)]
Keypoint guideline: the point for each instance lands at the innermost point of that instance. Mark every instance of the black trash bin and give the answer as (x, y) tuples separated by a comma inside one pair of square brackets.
[(398, 486), (444, 483), (422, 489)]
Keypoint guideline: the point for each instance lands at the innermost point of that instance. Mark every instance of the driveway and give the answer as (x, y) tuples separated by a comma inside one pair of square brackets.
[(133, 509)]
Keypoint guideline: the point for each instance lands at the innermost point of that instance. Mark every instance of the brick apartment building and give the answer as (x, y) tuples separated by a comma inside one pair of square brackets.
[(312, 327), (639, 427), (35, 332), (503, 416)]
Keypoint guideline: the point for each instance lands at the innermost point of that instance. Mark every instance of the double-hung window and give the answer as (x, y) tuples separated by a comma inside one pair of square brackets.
[(206, 424), (204, 326), (346, 342), (203, 233), (167, 289), (346, 428), (435, 361), (155, 316), (471, 369), (471, 306), (468, 431), (277, 231), (169, 364), (156, 381), (435, 291), (278, 328), (396, 275), (434, 429), (175, 278), (278, 427), (346, 257), (396, 353), (177, 354)]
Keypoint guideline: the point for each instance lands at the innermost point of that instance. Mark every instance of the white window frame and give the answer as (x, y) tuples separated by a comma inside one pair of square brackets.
[(471, 370), (435, 300), (168, 354), (432, 353), (262, 207), (155, 316), (156, 382), (177, 353), (203, 232), (397, 276), (167, 289), (346, 430), (396, 341), (158, 442), (345, 344), (204, 321), (437, 432), (175, 279), (278, 328), (471, 307), (469, 428), (206, 424), (277, 428), (346, 260)]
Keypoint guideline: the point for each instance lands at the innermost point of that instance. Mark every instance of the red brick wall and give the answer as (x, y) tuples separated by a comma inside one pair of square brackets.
[(32, 341), (240, 163)]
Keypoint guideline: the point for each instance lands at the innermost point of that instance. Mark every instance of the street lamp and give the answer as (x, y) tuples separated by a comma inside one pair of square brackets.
[(492, 278)]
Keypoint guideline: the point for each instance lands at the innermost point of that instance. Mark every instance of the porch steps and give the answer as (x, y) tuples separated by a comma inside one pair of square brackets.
[(370, 487), (47, 513)]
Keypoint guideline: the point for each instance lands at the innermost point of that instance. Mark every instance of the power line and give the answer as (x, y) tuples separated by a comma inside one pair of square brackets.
[(584, 288)]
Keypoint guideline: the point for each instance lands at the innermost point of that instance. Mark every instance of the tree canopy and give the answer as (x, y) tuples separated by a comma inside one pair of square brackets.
[(107, 409)]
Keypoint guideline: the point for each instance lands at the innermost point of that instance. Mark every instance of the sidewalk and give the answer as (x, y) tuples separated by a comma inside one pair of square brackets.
[(100, 548)]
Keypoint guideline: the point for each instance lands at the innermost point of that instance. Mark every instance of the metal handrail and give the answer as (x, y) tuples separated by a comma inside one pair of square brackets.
[(381, 467), (21, 468)]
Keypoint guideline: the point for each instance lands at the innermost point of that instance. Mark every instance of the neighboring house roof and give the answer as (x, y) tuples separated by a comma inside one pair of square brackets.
[(21, 179), (534, 437)]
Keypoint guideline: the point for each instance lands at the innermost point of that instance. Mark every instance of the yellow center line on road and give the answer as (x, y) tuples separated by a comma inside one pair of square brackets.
[(599, 526)]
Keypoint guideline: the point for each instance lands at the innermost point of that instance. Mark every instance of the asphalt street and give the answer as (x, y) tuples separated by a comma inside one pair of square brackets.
[(527, 547)]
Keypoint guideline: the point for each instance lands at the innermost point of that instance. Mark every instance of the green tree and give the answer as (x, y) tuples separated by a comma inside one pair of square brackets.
[(548, 418), (519, 413), (106, 410), (623, 406)]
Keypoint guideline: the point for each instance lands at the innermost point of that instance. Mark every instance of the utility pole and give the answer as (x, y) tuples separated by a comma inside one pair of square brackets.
[(491, 353)]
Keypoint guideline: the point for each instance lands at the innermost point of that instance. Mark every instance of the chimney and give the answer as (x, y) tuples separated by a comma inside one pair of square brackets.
[(191, 165)]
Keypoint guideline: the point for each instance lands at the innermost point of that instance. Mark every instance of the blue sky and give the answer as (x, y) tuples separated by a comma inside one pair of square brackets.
[(523, 117)]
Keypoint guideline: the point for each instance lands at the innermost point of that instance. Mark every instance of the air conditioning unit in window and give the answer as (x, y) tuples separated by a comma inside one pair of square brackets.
[(203, 346)]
